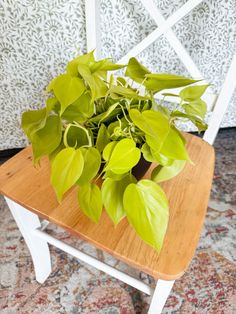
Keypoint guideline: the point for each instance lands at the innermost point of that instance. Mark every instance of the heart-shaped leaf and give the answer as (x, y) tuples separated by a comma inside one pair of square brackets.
[(67, 89), (136, 71), (146, 207), (124, 156), (192, 93), (92, 163), (90, 201), (197, 107), (164, 173), (103, 138), (112, 196), (76, 136), (66, 170)]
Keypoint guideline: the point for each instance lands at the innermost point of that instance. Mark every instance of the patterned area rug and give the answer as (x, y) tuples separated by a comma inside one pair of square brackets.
[(208, 287)]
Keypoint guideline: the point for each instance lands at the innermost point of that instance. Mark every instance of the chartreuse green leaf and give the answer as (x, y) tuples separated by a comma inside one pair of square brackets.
[(97, 86), (90, 201), (124, 156), (146, 207), (82, 109), (136, 71), (199, 123), (197, 107), (46, 140), (66, 170), (146, 151), (121, 91), (173, 146), (72, 66), (158, 82), (192, 93), (76, 136), (154, 124), (33, 120), (112, 196), (103, 138), (104, 65), (67, 89), (92, 163), (164, 173), (106, 154), (161, 159)]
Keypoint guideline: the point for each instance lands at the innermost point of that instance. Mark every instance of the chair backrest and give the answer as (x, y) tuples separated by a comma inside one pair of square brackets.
[(216, 103)]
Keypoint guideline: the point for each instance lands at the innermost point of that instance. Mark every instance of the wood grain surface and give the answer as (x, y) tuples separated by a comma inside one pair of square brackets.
[(188, 195)]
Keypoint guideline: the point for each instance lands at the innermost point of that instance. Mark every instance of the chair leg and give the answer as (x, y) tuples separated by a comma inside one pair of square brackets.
[(160, 295), (27, 222)]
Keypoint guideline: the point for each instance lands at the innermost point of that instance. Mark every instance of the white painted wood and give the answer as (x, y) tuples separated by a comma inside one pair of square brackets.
[(93, 26), (27, 222), (168, 23), (94, 262), (160, 295), (222, 103)]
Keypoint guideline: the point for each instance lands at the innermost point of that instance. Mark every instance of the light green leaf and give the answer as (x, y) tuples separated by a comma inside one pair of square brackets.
[(146, 207), (90, 201), (72, 66), (197, 107), (52, 104), (192, 93), (76, 136), (33, 120), (164, 173), (154, 124), (124, 156), (173, 146), (121, 91), (66, 170), (112, 196), (97, 86), (106, 154), (82, 109), (105, 65), (113, 176), (67, 89), (146, 150), (158, 82), (92, 163), (161, 159), (102, 138), (136, 71), (46, 140), (199, 123)]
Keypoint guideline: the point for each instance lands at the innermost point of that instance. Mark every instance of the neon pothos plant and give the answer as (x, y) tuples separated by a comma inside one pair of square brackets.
[(95, 128)]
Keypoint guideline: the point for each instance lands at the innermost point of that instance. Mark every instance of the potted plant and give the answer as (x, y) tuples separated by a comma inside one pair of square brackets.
[(96, 128)]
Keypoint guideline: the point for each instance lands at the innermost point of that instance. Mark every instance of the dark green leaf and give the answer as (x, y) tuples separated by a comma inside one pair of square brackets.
[(90, 200), (146, 207)]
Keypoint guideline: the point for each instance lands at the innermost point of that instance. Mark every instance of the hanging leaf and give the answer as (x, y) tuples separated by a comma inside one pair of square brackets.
[(92, 163), (112, 196), (66, 170), (192, 93), (136, 71), (197, 107), (76, 136), (103, 138), (158, 82), (67, 89), (46, 140), (124, 156), (161, 159), (201, 125), (121, 91), (146, 150), (164, 173), (146, 207), (33, 120), (90, 201)]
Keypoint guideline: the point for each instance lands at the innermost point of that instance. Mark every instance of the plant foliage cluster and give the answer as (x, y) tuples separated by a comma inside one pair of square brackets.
[(98, 126)]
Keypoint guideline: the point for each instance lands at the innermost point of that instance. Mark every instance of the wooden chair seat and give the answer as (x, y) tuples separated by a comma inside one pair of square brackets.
[(188, 195)]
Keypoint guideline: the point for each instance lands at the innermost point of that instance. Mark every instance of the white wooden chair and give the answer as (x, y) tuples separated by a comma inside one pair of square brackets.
[(29, 194)]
